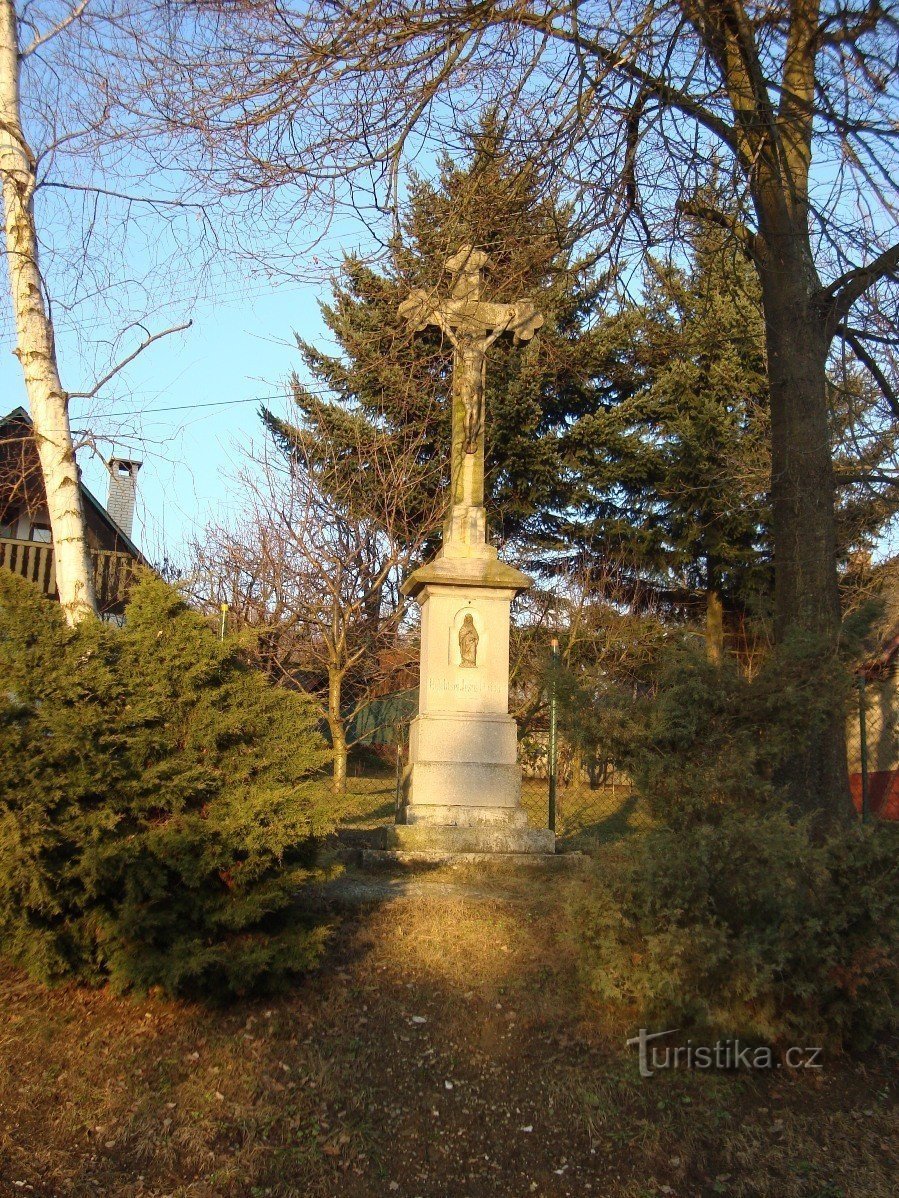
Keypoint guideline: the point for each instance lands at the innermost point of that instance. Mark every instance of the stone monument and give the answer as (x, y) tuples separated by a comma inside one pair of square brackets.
[(463, 783)]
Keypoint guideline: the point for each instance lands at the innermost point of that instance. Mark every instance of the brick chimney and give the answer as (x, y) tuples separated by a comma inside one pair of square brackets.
[(122, 492)]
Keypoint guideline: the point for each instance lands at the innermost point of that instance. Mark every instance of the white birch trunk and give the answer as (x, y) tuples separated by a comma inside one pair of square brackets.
[(35, 347)]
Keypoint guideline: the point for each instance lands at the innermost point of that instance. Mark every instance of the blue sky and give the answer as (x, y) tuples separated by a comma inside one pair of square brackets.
[(239, 349), (131, 243)]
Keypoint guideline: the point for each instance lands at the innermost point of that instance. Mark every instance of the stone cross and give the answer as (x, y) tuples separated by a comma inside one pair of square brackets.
[(471, 325)]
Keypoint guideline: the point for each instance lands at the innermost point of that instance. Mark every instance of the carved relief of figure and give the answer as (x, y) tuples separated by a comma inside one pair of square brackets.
[(473, 393), (468, 642)]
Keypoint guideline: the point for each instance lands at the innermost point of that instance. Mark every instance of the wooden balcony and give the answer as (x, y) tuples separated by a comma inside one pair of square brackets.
[(113, 572)]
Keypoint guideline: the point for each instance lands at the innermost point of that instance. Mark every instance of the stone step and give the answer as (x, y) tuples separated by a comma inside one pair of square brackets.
[(379, 859), (485, 838), (459, 816)]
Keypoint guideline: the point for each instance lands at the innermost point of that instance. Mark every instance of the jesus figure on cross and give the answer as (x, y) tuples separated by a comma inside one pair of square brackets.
[(471, 325)]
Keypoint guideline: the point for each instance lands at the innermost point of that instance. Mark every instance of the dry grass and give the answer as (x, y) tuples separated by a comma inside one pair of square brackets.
[(438, 1032)]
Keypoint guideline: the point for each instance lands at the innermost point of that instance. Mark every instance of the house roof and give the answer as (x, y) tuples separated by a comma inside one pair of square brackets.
[(20, 416)]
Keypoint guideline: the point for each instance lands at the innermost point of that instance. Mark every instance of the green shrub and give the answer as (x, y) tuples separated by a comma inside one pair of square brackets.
[(156, 813), (712, 740), (749, 926)]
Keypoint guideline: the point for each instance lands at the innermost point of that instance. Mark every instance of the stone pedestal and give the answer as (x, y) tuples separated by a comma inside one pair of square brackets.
[(463, 784)]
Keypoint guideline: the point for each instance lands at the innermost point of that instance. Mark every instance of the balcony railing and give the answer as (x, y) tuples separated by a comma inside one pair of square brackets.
[(113, 572)]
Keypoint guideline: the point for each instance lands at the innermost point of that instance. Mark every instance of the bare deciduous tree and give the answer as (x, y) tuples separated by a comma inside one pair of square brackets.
[(312, 565)]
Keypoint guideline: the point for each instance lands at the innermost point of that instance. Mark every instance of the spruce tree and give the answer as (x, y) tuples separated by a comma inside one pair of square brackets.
[(388, 381), (674, 470)]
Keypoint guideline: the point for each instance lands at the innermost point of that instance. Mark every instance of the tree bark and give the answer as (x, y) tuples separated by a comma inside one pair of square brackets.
[(714, 626), (806, 593), (35, 347), (338, 733)]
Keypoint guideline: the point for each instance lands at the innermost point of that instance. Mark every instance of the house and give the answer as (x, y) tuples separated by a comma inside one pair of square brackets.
[(873, 733), (26, 545)]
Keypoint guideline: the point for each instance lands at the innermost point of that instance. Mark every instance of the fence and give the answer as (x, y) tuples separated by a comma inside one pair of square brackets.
[(873, 743), (586, 799), (580, 796)]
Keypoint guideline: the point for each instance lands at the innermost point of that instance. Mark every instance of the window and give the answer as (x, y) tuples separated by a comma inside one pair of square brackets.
[(41, 533)]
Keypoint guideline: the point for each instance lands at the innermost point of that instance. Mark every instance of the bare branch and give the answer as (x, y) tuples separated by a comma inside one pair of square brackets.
[(177, 328), (743, 235), (835, 300), (154, 201), (873, 368), (660, 88), (43, 38)]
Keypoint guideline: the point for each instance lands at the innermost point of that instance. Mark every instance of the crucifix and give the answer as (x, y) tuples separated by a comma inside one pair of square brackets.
[(462, 784), (471, 325)]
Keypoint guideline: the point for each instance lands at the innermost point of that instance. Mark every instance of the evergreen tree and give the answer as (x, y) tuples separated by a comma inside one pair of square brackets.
[(636, 431), (156, 810), (674, 469), (388, 381)]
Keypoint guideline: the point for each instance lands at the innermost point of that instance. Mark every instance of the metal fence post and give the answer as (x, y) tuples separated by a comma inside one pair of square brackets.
[(398, 736), (552, 735), (863, 744)]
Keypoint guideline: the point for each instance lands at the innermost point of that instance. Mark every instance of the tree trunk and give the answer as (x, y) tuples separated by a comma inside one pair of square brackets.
[(577, 765), (802, 494), (35, 347), (338, 733), (714, 626), (338, 742)]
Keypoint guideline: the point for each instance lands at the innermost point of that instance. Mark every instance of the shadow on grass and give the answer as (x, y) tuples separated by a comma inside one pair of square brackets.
[(367, 802), (627, 820), (588, 818), (442, 1048)]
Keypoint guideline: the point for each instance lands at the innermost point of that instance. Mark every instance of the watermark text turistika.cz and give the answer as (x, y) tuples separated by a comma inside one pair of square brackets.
[(723, 1054)]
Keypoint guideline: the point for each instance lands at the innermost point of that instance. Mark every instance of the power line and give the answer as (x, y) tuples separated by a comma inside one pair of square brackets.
[(190, 407)]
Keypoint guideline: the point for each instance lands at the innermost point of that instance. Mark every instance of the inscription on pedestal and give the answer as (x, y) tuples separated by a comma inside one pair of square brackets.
[(464, 686)]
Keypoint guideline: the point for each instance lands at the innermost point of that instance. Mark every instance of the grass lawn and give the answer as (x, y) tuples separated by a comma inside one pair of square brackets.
[(368, 801), (586, 818), (443, 1049)]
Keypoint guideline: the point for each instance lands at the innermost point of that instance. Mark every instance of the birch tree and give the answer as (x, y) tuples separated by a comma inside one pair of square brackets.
[(35, 343), (100, 34)]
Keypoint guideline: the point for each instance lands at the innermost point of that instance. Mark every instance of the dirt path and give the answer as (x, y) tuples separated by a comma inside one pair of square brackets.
[(443, 1050)]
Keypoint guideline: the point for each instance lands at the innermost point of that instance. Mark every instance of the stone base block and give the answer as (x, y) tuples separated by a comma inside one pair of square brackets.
[(420, 861), (483, 838), (459, 816), (473, 783), (464, 737)]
